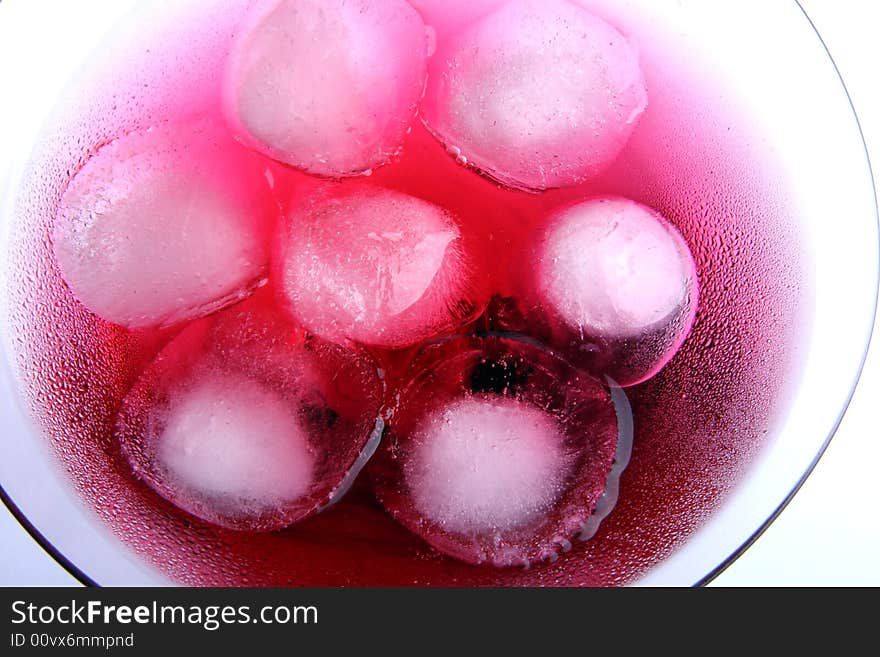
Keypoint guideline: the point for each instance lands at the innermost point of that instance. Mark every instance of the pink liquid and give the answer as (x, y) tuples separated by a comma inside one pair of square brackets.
[(698, 423)]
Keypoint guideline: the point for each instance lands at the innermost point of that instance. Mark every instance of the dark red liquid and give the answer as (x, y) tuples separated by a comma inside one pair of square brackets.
[(698, 423)]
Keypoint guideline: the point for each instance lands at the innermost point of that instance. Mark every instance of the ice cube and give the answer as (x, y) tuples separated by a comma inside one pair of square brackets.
[(538, 94), (164, 225), (497, 450), (329, 86), (614, 270), (376, 266), (246, 422), (484, 463)]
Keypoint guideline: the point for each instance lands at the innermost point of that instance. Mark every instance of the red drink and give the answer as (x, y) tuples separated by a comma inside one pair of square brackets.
[(699, 422)]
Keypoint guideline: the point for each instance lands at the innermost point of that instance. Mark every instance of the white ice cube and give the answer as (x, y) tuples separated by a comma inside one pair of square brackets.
[(486, 464), (329, 86), (231, 440), (162, 226), (538, 94)]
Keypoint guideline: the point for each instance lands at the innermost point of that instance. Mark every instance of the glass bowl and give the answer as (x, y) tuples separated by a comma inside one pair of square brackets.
[(804, 123)]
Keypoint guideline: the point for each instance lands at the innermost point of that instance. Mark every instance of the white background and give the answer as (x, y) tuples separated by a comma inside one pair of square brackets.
[(830, 533)]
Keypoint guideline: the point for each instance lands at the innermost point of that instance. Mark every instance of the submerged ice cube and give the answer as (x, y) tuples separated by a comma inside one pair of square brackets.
[(497, 451), (538, 94), (246, 422), (376, 266), (329, 86), (621, 279), (486, 463), (164, 225)]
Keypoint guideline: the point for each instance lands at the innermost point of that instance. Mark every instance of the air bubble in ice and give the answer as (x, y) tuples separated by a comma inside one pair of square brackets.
[(229, 438)]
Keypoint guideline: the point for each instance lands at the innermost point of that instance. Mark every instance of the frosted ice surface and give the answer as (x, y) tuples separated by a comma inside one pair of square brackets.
[(163, 226), (486, 464), (613, 268), (230, 439), (538, 94), (248, 423), (373, 265), (329, 86)]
